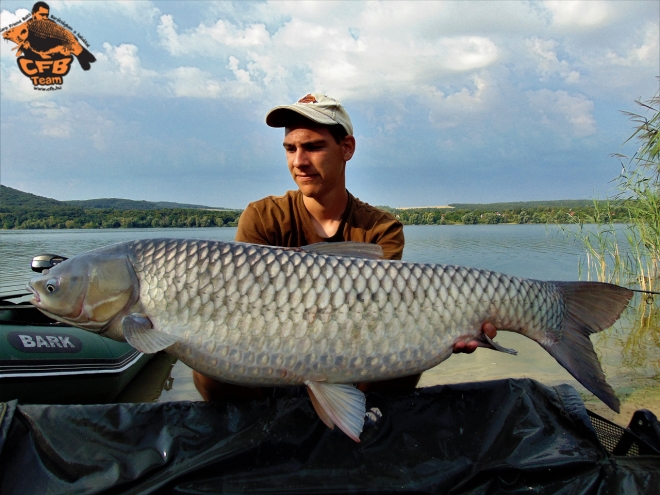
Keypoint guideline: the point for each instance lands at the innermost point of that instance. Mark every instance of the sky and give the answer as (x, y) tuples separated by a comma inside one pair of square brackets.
[(451, 101)]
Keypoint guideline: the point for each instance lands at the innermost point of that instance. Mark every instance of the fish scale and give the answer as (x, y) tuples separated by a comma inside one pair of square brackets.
[(416, 304), (266, 316)]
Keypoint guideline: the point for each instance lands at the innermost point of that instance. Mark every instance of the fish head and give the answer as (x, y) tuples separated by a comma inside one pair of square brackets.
[(17, 34), (90, 291)]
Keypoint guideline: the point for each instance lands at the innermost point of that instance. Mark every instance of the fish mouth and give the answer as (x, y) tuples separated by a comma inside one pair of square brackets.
[(35, 294)]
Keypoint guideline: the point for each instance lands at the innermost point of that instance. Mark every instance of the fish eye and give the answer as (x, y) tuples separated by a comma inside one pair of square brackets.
[(52, 285)]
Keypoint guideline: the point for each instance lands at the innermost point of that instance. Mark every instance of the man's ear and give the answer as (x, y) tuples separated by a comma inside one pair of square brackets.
[(348, 145)]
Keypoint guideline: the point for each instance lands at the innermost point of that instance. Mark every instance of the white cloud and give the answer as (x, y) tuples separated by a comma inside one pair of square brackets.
[(16, 87), (477, 80), (168, 35), (117, 71), (644, 54), (73, 122), (54, 119), (125, 58), (558, 108), (140, 11), (355, 60), (205, 39), (548, 64), (7, 17), (467, 53), (267, 68), (579, 13), (241, 74), (8, 47), (457, 58), (452, 109), (193, 82)]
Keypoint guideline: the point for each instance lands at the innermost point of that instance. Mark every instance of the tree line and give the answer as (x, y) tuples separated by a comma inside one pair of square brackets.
[(541, 214), (71, 217)]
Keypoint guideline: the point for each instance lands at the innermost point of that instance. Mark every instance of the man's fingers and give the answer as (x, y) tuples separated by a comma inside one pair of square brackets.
[(466, 347), (469, 347), (490, 330)]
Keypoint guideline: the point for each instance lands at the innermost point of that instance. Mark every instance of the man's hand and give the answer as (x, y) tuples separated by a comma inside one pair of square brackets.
[(468, 347)]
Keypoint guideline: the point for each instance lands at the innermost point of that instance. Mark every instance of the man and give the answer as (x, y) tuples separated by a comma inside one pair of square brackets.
[(318, 141), (40, 10)]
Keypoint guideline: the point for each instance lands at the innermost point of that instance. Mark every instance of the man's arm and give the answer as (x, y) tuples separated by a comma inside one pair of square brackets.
[(392, 241)]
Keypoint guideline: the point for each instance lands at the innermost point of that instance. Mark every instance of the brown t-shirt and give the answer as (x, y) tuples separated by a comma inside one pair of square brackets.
[(284, 221)]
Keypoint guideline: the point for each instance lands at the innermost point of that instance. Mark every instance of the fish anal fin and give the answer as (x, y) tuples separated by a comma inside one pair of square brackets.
[(347, 248), (342, 405), (140, 333), (485, 341)]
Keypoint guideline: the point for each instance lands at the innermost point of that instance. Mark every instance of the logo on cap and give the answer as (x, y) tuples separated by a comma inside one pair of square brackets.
[(307, 99)]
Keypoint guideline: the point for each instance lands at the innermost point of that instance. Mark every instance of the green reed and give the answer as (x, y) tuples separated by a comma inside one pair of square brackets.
[(637, 262), (622, 246)]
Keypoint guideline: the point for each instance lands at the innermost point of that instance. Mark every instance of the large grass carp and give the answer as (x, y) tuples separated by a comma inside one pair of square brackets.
[(326, 315)]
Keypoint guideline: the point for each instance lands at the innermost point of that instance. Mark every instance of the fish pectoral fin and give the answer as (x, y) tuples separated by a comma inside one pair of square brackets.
[(488, 343), (140, 333), (350, 249), (339, 404)]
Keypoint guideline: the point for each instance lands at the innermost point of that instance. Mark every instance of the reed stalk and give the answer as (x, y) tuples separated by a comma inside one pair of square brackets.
[(635, 262)]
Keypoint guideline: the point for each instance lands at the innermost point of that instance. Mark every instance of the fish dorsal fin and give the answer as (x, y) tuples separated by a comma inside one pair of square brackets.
[(347, 248), (140, 333), (339, 404)]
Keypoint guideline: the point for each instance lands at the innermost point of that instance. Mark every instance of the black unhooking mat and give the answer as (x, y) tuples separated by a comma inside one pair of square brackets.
[(508, 436)]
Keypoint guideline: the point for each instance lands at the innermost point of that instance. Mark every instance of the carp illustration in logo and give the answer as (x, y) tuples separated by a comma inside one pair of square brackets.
[(45, 48)]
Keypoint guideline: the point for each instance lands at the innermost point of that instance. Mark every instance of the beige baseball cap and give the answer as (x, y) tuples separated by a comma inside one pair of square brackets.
[(314, 106)]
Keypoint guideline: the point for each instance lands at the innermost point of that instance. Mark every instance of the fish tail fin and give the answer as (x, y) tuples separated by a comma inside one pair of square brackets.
[(85, 59), (590, 307)]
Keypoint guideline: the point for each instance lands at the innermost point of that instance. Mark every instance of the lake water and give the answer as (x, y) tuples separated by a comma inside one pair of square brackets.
[(629, 351)]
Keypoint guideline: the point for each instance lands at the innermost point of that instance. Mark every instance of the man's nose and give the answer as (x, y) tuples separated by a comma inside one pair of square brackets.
[(300, 158)]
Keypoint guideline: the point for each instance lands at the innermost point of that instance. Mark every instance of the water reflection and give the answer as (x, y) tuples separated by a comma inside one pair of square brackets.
[(630, 353)]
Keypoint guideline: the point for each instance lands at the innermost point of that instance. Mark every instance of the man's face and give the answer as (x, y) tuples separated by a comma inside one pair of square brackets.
[(316, 161), (41, 13)]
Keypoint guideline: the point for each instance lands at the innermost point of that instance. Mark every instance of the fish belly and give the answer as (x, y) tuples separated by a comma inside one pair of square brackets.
[(257, 315)]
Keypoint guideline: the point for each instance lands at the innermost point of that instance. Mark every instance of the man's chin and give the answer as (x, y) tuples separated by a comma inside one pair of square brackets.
[(309, 191)]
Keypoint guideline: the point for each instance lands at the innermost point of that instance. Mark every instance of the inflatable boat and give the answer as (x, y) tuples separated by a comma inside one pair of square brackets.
[(47, 362)]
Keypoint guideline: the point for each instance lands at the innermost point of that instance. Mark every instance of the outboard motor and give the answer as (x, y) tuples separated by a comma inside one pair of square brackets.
[(42, 262)]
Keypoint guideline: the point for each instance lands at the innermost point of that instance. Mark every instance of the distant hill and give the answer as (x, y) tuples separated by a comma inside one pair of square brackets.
[(13, 198), (130, 204), (10, 197), (21, 210)]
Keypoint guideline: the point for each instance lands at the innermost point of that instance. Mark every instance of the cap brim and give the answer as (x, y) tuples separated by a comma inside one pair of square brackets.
[(281, 116)]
